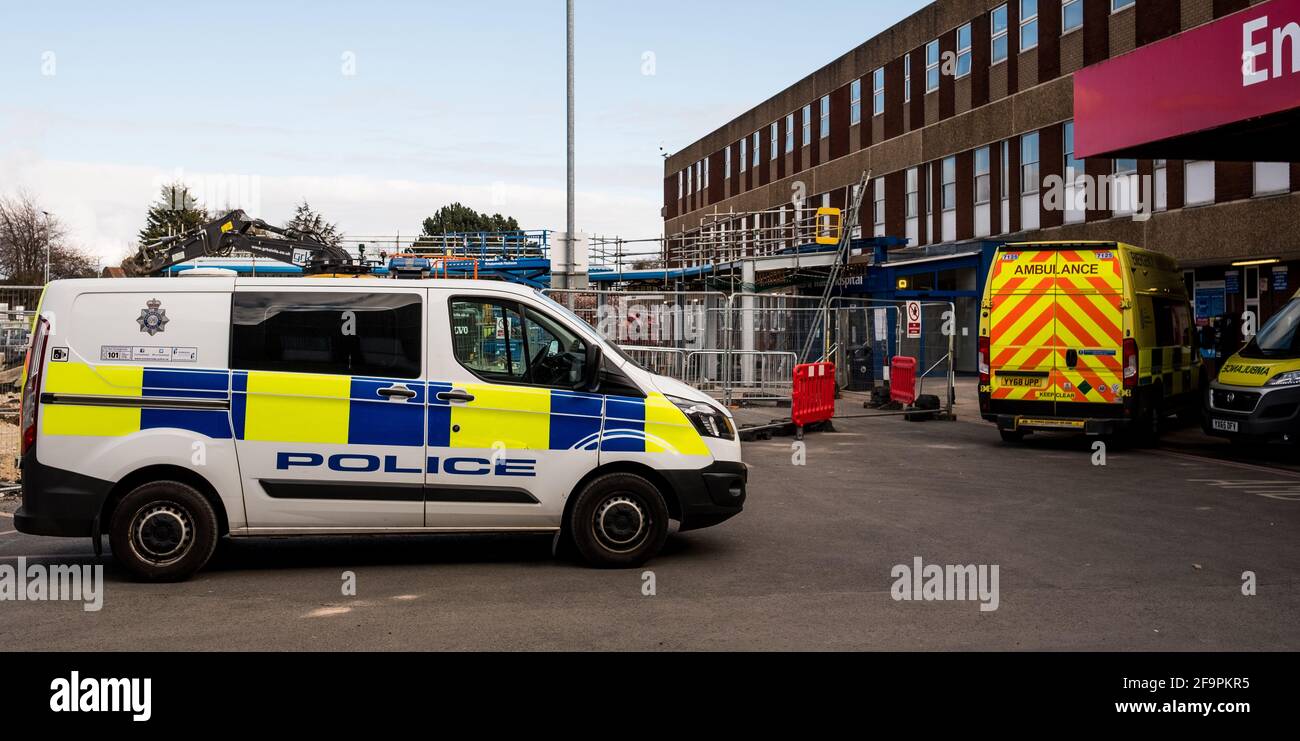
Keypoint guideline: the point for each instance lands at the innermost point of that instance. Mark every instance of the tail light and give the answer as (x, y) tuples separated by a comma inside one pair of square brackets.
[(985, 373), (1130, 364), (32, 373)]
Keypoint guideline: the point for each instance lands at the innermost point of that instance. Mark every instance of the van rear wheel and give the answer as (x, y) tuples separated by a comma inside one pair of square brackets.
[(1012, 436), (163, 531), (619, 520)]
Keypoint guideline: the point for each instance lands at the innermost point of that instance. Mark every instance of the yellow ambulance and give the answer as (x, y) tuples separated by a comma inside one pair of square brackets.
[(1257, 394), (1089, 337)]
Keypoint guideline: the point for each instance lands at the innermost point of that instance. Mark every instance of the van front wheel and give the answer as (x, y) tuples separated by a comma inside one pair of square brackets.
[(618, 520), (163, 531)]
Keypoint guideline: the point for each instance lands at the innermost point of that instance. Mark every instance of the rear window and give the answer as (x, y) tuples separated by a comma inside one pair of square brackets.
[(353, 334)]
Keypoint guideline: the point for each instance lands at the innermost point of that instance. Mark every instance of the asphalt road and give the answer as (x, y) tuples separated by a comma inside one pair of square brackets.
[(1147, 552)]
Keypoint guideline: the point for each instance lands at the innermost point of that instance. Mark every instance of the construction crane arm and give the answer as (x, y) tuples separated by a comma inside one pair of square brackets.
[(236, 232)]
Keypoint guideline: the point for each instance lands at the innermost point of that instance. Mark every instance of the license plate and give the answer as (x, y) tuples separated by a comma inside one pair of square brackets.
[(1021, 382), (1225, 425)]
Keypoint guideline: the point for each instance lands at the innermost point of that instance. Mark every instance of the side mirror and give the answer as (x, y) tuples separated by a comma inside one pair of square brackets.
[(590, 369)]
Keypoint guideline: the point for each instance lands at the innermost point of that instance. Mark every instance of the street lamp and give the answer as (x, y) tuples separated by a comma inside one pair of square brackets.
[(566, 269)]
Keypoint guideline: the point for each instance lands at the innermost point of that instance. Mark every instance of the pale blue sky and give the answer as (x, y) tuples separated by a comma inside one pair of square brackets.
[(449, 100)]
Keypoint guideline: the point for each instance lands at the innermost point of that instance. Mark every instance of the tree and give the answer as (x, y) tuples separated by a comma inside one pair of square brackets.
[(306, 220), (175, 212), (461, 218), (26, 232)]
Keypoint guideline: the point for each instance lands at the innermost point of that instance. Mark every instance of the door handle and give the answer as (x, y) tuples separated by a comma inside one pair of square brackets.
[(393, 391), (454, 395), (1071, 359)]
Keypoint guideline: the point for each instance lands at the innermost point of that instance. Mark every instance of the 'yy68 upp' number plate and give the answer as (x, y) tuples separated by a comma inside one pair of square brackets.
[(1021, 382)]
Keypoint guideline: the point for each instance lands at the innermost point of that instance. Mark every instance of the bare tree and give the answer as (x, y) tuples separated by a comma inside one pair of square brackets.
[(26, 231)]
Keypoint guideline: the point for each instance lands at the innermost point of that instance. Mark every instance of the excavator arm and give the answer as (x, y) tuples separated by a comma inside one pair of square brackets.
[(236, 232)]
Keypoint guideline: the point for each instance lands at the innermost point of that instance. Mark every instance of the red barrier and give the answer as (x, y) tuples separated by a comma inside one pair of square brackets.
[(813, 399), (902, 380)]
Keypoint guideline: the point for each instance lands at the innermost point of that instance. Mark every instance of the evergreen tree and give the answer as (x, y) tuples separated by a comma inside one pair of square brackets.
[(460, 218), (307, 220), (175, 212)]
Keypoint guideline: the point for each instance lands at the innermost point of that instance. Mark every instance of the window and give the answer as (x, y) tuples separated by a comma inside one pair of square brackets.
[(907, 78), (983, 184), (1161, 168), (878, 198), (704, 167), (1071, 15), (1118, 5), (1272, 177), (998, 19), (932, 66), (1028, 24), (1029, 163), (807, 125), (727, 163), (826, 117), (913, 193), (1073, 166), (757, 140), (679, 185), (1199, 183), (855, 103), (949, 201), (501, 341), (789, 133), (776, 143), (1005, 172), (690, 180), (1124, 187), (878, 92), (963, 51), (344, 334), (744, 154)]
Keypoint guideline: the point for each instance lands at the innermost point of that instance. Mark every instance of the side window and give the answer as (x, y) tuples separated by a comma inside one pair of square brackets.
[(1173, 325), (558, 356), (500, 341), (355, 334), (488, 339)]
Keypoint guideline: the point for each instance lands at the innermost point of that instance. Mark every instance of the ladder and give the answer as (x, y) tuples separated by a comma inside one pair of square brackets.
[(821, 318)]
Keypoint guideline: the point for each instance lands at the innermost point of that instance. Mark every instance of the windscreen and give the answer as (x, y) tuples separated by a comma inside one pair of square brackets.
[(1279, 337)]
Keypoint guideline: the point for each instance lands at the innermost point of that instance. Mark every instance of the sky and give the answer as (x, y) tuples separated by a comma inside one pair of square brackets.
[(380, 112)]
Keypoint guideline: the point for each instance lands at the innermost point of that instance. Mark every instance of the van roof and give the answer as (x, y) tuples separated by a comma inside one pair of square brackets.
[(226, 283)]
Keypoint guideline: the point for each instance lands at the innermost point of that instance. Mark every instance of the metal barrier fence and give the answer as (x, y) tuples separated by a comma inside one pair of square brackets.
[(744, 347)]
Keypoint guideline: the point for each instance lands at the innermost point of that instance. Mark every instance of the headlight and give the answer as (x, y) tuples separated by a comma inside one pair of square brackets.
[(709, 421), (1289, 378)]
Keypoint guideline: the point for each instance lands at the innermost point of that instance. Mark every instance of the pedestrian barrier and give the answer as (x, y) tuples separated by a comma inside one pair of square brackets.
[(665, 361), (813, 396), (902, 384)]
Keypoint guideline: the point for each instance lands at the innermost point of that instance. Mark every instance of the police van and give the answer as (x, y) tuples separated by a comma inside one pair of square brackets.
[(1088, 337), (1257, 394), (170, 413)]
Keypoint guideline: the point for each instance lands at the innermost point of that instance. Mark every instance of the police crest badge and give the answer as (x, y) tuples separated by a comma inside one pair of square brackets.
[(153, 319)]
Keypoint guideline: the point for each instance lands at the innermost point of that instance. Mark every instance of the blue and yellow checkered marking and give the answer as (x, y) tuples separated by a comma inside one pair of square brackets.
[(343, 410)]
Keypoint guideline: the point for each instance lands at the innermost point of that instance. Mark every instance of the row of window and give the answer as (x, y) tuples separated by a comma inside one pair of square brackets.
[(381, 336), (1121, 192), (696, 177)]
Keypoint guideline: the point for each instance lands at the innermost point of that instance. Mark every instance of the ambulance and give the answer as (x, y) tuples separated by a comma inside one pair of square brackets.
[(1088, 337), (169, 413), (1257, 394)]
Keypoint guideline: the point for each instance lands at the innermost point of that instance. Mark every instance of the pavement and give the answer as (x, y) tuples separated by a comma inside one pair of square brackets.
[(1147, 552)]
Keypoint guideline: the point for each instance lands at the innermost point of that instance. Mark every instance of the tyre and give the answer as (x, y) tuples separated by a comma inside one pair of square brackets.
[(618, 520), (163, 531), (1012, 436), (1144, 430)]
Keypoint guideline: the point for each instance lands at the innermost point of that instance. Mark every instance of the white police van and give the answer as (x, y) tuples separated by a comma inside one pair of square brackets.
[(169, 413)]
